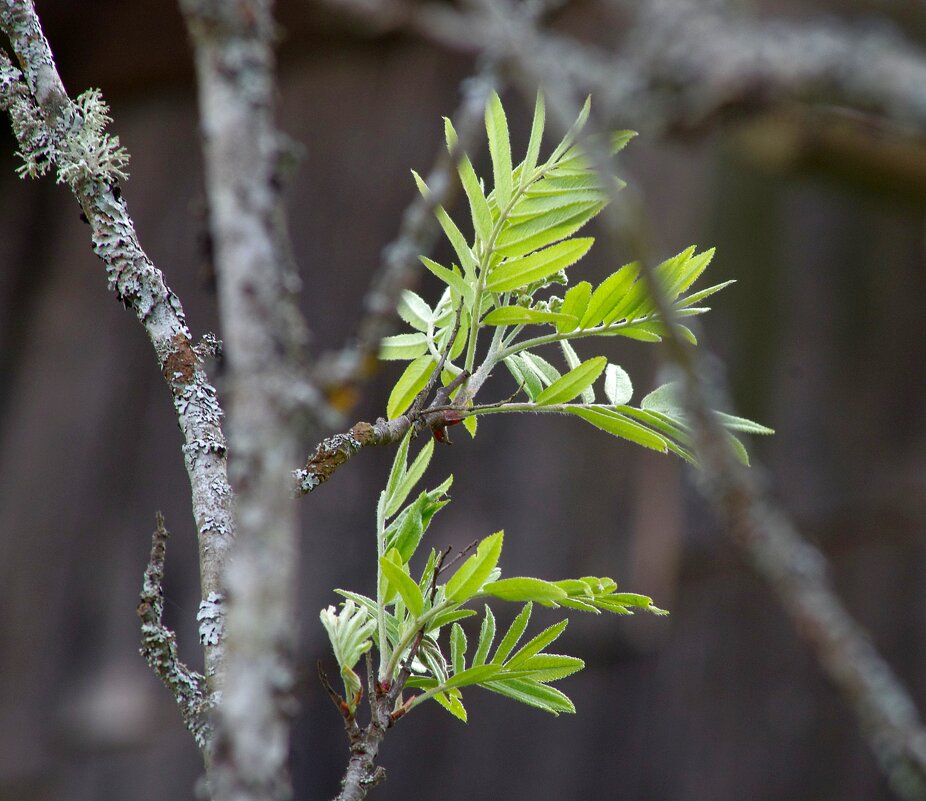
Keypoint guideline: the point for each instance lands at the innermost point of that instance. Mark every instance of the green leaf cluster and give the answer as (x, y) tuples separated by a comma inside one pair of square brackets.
[(521, 250), (415, 619)]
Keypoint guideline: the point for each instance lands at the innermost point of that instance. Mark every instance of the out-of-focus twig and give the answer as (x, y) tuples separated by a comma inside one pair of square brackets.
[(339, 371)]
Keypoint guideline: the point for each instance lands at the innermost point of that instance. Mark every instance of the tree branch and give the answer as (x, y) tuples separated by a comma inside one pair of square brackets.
[(269, 395), (159, 646), (54, 131)]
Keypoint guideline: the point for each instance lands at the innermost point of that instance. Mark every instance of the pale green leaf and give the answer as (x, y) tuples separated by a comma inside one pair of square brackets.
[(457, 240), (524, 374), (474, 675), (457, 648), (550, 667), (735, 423), (478, 206), (575, 304), (573, 360), (536, 644), (531, 205), (408, 481), (617, 385), (410, 383), (518, 315), (572, 133), (452, 703), (666, 399), (403, 347), (524, 270), (605, 301), (515, 630), (397, 471), (452, 279), (413, 309), (499, 149), (474, 572), (450, 616), (620, 426), (566, 388), (545, 371), (697, 297), (522, 242), (523, 588), (531, 233), (533, 145), (486, 636), (407, 588), (532, 693)]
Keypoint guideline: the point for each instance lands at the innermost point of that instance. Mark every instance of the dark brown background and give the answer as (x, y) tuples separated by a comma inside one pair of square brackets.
[(823, 337)]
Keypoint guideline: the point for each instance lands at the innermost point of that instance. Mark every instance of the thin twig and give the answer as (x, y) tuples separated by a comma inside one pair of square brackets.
[(159, 646), (339, 371)]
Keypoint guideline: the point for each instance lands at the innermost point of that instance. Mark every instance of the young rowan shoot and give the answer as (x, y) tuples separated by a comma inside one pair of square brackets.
[(498, 307)]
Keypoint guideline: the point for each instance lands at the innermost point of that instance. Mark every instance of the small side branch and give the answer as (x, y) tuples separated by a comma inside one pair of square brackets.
[(159, 646), (337, 450)]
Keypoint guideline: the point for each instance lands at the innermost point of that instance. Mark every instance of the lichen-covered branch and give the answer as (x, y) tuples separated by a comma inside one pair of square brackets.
[(159, 646), (263, 336), (55, 132), (335, 451)]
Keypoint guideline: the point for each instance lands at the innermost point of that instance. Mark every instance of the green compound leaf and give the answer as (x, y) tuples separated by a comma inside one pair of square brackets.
[(410, 383), (524, 270), (573, 360), (573, 383), (474, 572)]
